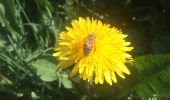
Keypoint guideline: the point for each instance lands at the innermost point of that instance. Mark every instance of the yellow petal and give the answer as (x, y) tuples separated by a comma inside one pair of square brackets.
[(56, 54), (123, 68), (107, 76), (119, 72), (74, 70), (65, 64), (114, 77)]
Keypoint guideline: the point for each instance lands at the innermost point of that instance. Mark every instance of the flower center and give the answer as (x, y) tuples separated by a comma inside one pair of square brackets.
[(89, 43)]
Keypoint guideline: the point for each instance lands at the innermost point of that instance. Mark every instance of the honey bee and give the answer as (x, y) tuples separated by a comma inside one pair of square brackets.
[(89, 43)]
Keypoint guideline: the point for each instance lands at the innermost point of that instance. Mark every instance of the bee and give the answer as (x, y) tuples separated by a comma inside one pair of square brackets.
[(89, 43)]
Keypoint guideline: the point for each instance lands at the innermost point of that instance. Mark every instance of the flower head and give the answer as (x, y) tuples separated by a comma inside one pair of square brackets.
[(96, 50)]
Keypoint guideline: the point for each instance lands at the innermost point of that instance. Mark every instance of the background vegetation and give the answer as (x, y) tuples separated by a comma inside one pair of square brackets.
[(29, 29)]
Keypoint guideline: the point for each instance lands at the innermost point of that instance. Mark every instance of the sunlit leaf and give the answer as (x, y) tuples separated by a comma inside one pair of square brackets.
[(154, 72), (46, 69)]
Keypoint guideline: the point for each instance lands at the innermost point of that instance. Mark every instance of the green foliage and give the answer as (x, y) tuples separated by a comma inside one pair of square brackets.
[(27, 68), (153, 75), (29, 29), (46, 69)]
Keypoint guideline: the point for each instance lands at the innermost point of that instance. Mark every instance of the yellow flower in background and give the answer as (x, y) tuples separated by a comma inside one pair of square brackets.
[(96, 50)]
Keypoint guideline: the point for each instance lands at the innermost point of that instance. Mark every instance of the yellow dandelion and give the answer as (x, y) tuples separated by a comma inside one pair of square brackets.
[(96, 50)]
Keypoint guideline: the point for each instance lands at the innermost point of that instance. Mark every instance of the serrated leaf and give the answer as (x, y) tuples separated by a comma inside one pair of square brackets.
[(154, 71), (46, 69)]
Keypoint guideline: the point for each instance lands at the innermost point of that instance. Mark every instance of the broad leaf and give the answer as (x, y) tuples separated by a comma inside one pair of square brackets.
[(46, 69)]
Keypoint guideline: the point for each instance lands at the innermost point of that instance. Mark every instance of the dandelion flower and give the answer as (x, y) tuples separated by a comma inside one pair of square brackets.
[(96, 50)]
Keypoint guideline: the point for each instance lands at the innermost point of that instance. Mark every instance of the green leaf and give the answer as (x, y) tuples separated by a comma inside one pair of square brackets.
[(66, 82), (6, 23), (164, 93), (154, 74), (10, 13), (2, 43), (2, 9), (84, 97), (45, 3), (46, 68)]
